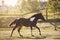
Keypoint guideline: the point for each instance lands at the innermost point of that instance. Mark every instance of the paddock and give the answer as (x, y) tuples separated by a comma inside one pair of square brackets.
[(47, 30)]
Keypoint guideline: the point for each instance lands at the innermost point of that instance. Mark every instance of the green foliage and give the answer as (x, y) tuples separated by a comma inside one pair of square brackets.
[(29, 5), (54, 5)]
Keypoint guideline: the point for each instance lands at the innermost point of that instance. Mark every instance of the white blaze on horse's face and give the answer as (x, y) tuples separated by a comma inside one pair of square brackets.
[(32, 19)]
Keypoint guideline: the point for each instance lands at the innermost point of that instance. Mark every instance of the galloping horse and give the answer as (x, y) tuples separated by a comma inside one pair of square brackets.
[(30, 22)]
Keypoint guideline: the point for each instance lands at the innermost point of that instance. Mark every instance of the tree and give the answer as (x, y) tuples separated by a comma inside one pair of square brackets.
[(28, 5), (54, 5)]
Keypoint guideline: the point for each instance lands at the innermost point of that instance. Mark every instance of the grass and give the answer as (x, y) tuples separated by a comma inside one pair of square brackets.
[(47, 33), (5, 29)]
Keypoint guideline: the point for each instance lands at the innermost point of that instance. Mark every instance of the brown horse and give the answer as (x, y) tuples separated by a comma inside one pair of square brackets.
[(30, 22)]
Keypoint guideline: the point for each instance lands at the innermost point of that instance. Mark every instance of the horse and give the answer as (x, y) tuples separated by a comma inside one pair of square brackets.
[(30, 22)]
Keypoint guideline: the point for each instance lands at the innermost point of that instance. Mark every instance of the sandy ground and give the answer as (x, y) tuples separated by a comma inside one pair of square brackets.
[(48, 33)]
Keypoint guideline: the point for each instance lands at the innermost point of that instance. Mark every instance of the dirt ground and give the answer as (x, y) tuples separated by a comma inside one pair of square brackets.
[(47, 31)]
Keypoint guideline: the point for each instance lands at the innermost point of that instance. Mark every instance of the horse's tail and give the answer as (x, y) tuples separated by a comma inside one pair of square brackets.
[(14, 22), (11, 24)]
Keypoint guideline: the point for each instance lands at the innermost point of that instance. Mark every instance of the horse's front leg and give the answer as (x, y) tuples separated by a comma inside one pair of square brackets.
[(38, 29), (31, 31)]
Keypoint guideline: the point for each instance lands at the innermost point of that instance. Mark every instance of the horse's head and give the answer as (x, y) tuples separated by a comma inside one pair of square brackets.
[(40, 16)]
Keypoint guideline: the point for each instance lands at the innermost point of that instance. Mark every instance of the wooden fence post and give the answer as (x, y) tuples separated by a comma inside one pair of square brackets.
[(46, 13)]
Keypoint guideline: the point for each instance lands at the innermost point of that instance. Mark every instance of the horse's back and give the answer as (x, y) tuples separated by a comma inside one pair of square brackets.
[(24, 22)]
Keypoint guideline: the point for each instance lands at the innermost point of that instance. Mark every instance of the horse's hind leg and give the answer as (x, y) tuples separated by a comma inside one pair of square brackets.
[(13, 30), (19, 31), (38, 29)]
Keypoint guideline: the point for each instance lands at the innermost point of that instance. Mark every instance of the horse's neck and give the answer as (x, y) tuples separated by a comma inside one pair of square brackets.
[(33, 19)]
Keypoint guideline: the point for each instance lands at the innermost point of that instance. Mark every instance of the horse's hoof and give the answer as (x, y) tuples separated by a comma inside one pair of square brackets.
[(33, 35), (55, 29), (21, 36), (39, 34), (10, 36)]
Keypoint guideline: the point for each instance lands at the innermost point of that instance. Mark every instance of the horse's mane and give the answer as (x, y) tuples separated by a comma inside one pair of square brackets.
[(35, 15)]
